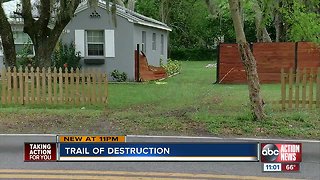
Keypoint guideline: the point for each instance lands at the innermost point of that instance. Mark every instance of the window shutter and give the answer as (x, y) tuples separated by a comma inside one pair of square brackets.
[(79, 41), (109, 43)]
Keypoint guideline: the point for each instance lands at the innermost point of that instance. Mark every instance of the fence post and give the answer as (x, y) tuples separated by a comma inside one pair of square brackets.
[(66, 85), (94, 86), (32, 85), (4, 86), (283, 89), (89, 86), (49, 86), (83, 87), (60, 85), (318, 89), (38, 84), (15, 85), (43, 83), (71, 86), (20, 72), (78, 95), (105, 88), (26, 85), (55, 86), (311, 89), (290, 87), (304, 87), (99, 87), (9, 85), (297, 91)]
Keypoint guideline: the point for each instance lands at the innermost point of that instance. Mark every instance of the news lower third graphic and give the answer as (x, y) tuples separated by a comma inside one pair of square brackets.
[(281, 157), (275, 157), (115, 148)]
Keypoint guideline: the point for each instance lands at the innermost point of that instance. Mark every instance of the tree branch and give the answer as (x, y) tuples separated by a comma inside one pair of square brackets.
[(63, 17), (44, 13), (26, 11), (27, 17)]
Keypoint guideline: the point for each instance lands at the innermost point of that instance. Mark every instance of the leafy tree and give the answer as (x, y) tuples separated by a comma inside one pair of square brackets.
[(303, 20)]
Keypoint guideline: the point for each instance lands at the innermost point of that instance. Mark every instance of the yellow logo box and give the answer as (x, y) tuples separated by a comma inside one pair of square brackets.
[(93, 139)]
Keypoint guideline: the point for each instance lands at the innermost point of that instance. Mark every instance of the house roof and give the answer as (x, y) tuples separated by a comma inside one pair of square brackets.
[(131, 16), (14, 5)]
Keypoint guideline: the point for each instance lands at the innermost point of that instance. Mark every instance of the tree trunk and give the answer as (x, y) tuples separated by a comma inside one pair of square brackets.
[(43, 52), (277, 21), (44, 39), (6, 34), (261, 30), (131, 4), (249, 63), (164, 11)]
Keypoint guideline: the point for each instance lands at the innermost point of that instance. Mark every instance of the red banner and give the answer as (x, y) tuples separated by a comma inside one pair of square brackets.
[(40, 152)]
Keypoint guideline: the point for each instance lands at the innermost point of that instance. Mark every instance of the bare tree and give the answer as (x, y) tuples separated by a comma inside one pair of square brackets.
[(249, 63)]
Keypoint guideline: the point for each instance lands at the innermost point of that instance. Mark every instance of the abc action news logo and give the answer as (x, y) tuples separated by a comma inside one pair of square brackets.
[(281, 152)]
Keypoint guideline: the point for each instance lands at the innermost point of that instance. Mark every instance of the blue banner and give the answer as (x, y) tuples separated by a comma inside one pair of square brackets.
[(157, 151)]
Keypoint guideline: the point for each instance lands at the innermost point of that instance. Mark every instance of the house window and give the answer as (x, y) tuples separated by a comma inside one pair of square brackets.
[(144, 41), (23, 43), (154, 41), (95, 43), (162, 44)]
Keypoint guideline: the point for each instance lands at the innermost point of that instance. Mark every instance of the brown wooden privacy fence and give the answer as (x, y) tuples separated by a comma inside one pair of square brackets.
[(52, 86), (270, 58), (300, 89)]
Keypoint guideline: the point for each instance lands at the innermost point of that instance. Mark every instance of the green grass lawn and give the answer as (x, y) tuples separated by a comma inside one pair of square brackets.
[(188, 104)]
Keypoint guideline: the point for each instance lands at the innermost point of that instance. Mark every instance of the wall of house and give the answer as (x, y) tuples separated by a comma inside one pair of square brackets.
[(153, 56), (1, 62), (123, 60)]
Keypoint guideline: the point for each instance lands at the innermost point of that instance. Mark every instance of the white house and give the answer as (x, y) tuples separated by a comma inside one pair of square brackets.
[(101, 43)]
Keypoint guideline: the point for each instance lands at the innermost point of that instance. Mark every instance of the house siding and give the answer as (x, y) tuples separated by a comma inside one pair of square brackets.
[(153, 56), (1, 62), (124, 51)]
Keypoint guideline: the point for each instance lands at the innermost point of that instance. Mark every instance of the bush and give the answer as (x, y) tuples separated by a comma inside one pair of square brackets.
[(24, 59), (65, 55), (172, 66), (119, 77)]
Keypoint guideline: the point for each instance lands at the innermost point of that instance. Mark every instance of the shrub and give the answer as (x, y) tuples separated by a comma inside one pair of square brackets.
[(24, 58), (172, 66), (65, 55), (119, 77)]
